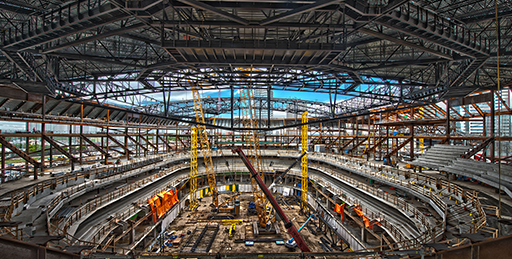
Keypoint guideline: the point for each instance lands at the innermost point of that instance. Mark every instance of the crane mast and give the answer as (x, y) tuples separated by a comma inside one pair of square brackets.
[(205, 146), (193, 167), (253, 151)]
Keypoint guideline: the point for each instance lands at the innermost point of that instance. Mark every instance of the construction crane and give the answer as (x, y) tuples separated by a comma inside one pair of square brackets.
[(252, 139), (193, 167), (205, 146), (304, 162), (230, 199), (292, 230)]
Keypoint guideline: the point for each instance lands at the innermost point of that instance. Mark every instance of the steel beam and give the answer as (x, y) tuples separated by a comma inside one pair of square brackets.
[(61, 149), (165, 142), (19, 152), (347, 143), (119, 144), (299, 10), (204, 6), (99, 149), (95, 37), (371, 149), (149, 143), (405, 43), (392, 152), (137, 143)]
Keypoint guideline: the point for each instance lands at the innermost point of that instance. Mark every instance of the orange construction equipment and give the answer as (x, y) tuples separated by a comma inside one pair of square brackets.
[(161, 203), (340, 209), (359, 212), (366, 220)]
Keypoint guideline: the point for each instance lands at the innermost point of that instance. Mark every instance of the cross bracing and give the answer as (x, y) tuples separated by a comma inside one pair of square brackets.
[(378, 52)]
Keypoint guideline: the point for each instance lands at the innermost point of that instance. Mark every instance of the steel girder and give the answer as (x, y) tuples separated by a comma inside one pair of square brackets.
[(426, 51)]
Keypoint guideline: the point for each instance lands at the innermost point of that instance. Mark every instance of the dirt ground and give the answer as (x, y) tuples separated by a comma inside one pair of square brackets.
[(193, 222)]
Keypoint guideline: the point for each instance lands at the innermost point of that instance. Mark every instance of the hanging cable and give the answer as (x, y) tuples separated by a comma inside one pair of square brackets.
[(499, 113)]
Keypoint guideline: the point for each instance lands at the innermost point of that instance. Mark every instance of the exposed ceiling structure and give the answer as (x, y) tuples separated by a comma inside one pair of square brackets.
[(378, 53)]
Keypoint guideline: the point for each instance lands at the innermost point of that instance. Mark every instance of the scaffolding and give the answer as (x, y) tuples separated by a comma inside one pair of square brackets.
[(193, 167), (253, 152), (304, 161), (205, 146)]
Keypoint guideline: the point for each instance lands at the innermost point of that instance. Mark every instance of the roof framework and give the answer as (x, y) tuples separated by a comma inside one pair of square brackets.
[(378, 53)]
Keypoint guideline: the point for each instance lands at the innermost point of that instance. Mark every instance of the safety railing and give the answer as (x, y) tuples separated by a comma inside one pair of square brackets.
[(104, 199), (398, 202), (19, 197)]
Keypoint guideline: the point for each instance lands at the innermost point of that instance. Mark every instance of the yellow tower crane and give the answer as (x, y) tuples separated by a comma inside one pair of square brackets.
[(205, 146), (193, 167), (253, 152), (304, 161)]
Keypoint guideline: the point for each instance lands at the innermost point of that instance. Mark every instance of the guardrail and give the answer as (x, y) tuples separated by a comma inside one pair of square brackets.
[(19, 197), (431, 232), (376, 170), (104, 199), (404, 242), (107, 227), (389, 174)]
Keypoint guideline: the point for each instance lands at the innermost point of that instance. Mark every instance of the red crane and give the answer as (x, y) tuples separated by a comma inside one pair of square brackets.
[(287, 223)]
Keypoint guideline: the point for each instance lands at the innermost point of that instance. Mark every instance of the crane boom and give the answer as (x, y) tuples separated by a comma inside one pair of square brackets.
[(253, 152), (205, 146), (287, 223)]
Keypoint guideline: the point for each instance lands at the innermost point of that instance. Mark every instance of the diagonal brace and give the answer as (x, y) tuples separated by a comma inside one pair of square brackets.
[(149, 143), (61, 149), (348, 143), (358, 144), (137, 143), (126, 150), (99, 149), (165, 142), (371, 149), (212, 9), (297, 11), (388, 155), (19, 152)]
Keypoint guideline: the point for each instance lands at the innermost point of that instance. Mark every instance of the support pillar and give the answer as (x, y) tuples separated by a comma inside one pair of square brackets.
[(387, 141), (27, 147), (102, 145), (43, 113), (448, 121), (492, 125), (51, 156), (43, 127), (411, 147), (156, 141), (81, 132), (106, 138), (132, 232), (269, 98), (484, 133), (126, 143), (3, 163), (70, 147)]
